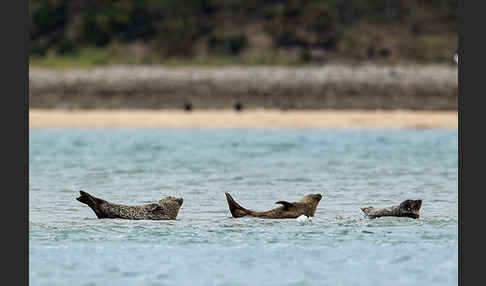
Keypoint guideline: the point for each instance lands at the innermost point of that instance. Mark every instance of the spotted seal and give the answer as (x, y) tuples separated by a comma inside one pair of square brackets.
[(408, 208), (306, 206), (165, 209)]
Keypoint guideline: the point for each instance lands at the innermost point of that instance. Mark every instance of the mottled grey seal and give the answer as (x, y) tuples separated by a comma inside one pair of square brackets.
[(408, 208), (165, 209), (306, 206)]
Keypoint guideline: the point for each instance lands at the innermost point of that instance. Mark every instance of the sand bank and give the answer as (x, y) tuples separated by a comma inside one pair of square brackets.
[(364, 87), (252, 119)]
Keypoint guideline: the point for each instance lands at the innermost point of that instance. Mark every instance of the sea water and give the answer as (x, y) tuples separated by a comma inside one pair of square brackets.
[(68, 245)]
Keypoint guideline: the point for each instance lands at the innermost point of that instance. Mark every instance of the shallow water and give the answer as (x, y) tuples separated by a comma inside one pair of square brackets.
[(205, 246)]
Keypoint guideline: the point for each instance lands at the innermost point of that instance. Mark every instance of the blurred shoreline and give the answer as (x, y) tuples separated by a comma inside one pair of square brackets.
[(248, 119), (343, 87)]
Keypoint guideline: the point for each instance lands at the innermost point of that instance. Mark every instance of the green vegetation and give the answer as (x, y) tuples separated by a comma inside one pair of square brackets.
[(95, 56), (86, 33)]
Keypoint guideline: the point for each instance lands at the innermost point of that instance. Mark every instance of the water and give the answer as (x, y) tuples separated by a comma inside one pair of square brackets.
[(205, 246)]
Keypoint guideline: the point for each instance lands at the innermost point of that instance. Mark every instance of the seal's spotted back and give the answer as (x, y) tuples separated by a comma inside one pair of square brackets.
[(407, 208), (165, 209)]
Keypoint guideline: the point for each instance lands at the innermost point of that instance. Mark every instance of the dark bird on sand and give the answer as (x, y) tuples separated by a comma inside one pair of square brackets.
[(306, 206), (408, 208), (165, 209)]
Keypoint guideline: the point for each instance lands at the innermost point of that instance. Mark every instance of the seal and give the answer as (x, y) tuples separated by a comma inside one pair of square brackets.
[(165, 209), (408, 208), (306, 206)]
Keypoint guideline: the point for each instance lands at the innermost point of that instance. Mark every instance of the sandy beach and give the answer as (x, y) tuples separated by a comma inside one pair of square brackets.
[(251, 119)]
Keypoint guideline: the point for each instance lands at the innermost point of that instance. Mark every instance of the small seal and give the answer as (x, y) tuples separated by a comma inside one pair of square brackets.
[(165, 209), (408, 208), (306, 206)]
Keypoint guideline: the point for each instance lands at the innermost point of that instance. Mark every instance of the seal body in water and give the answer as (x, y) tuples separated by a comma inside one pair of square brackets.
[(408, 208), (306, 206), (165, 209)]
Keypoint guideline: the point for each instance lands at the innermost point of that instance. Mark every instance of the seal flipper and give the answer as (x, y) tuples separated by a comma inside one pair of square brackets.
[(152, 207), (366, 211), (235, 209), (286, 204), (92, 202)]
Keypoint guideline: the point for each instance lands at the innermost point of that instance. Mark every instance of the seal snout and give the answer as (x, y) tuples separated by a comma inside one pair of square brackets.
[(180, 201), (316, 197), (418, 204)]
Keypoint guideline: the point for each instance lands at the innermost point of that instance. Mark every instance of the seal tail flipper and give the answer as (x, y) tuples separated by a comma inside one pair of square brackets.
[(365, 214), (92, 202), (235, 209)]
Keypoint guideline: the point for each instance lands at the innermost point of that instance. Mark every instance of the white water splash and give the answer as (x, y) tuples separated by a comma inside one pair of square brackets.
[(303, 219)]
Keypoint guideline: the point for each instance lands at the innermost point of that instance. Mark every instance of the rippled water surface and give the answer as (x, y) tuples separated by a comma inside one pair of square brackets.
[(68, 245)]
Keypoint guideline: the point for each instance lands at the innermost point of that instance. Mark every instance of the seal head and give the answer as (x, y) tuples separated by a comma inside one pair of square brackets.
[(171, 200), (411, 208)]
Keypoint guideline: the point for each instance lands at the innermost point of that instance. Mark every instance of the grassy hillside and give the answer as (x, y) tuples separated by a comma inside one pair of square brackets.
[(244, 32)]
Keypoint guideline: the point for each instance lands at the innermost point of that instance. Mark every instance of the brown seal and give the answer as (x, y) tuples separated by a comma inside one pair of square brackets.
[(408, 208), (165, 209), (306, 206)]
